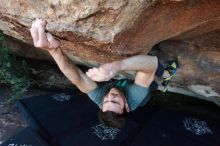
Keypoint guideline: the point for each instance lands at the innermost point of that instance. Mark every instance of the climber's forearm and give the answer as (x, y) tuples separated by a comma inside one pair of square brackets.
[(69, 69), (145, 66), (142, 63), (72, 72)]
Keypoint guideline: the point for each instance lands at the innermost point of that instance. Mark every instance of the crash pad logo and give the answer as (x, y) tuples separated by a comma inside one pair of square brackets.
[(12, 144), (61, 97), (196, 126), (105, 133)]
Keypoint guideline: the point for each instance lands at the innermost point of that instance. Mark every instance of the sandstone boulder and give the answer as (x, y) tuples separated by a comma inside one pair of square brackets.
[(98, 31)]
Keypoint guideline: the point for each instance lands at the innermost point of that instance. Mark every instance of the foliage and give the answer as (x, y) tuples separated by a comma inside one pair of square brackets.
[(13, 72)]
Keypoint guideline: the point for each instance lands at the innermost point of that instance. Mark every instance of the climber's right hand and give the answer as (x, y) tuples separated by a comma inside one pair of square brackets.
[(42, 39)]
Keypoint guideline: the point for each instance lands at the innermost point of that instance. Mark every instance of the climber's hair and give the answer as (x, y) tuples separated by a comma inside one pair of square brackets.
[(112, 119)]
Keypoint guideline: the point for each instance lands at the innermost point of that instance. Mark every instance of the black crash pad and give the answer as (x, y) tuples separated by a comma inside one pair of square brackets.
[(99, 135), (55, 115), (178, 128), (71, 118), (26, 137)]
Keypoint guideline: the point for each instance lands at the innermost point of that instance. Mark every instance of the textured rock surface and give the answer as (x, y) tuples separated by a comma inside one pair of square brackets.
[(99, 31), (199, 60)]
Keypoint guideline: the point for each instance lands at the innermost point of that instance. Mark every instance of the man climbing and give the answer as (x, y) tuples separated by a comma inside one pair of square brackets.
[(117, 98)]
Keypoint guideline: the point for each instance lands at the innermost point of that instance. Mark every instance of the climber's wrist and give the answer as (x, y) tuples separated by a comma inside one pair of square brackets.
[(54, 50)]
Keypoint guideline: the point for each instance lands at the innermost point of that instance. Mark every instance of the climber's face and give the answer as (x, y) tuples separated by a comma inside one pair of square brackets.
[(115, 101)]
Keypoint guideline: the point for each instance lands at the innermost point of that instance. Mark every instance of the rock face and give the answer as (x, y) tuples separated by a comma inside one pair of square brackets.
[(98, 31)]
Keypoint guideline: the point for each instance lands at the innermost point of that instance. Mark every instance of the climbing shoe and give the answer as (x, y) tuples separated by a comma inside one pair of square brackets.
[(165, 85), (171, 68)]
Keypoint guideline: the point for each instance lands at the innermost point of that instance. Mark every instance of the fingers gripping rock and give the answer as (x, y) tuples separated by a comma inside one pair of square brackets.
[(54, 43), (42, 39)]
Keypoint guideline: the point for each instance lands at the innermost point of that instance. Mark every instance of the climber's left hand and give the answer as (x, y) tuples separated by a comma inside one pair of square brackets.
[(105, 72)]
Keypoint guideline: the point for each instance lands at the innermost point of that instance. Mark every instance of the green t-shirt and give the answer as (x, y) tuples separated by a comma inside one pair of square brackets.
[(136, 95)]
